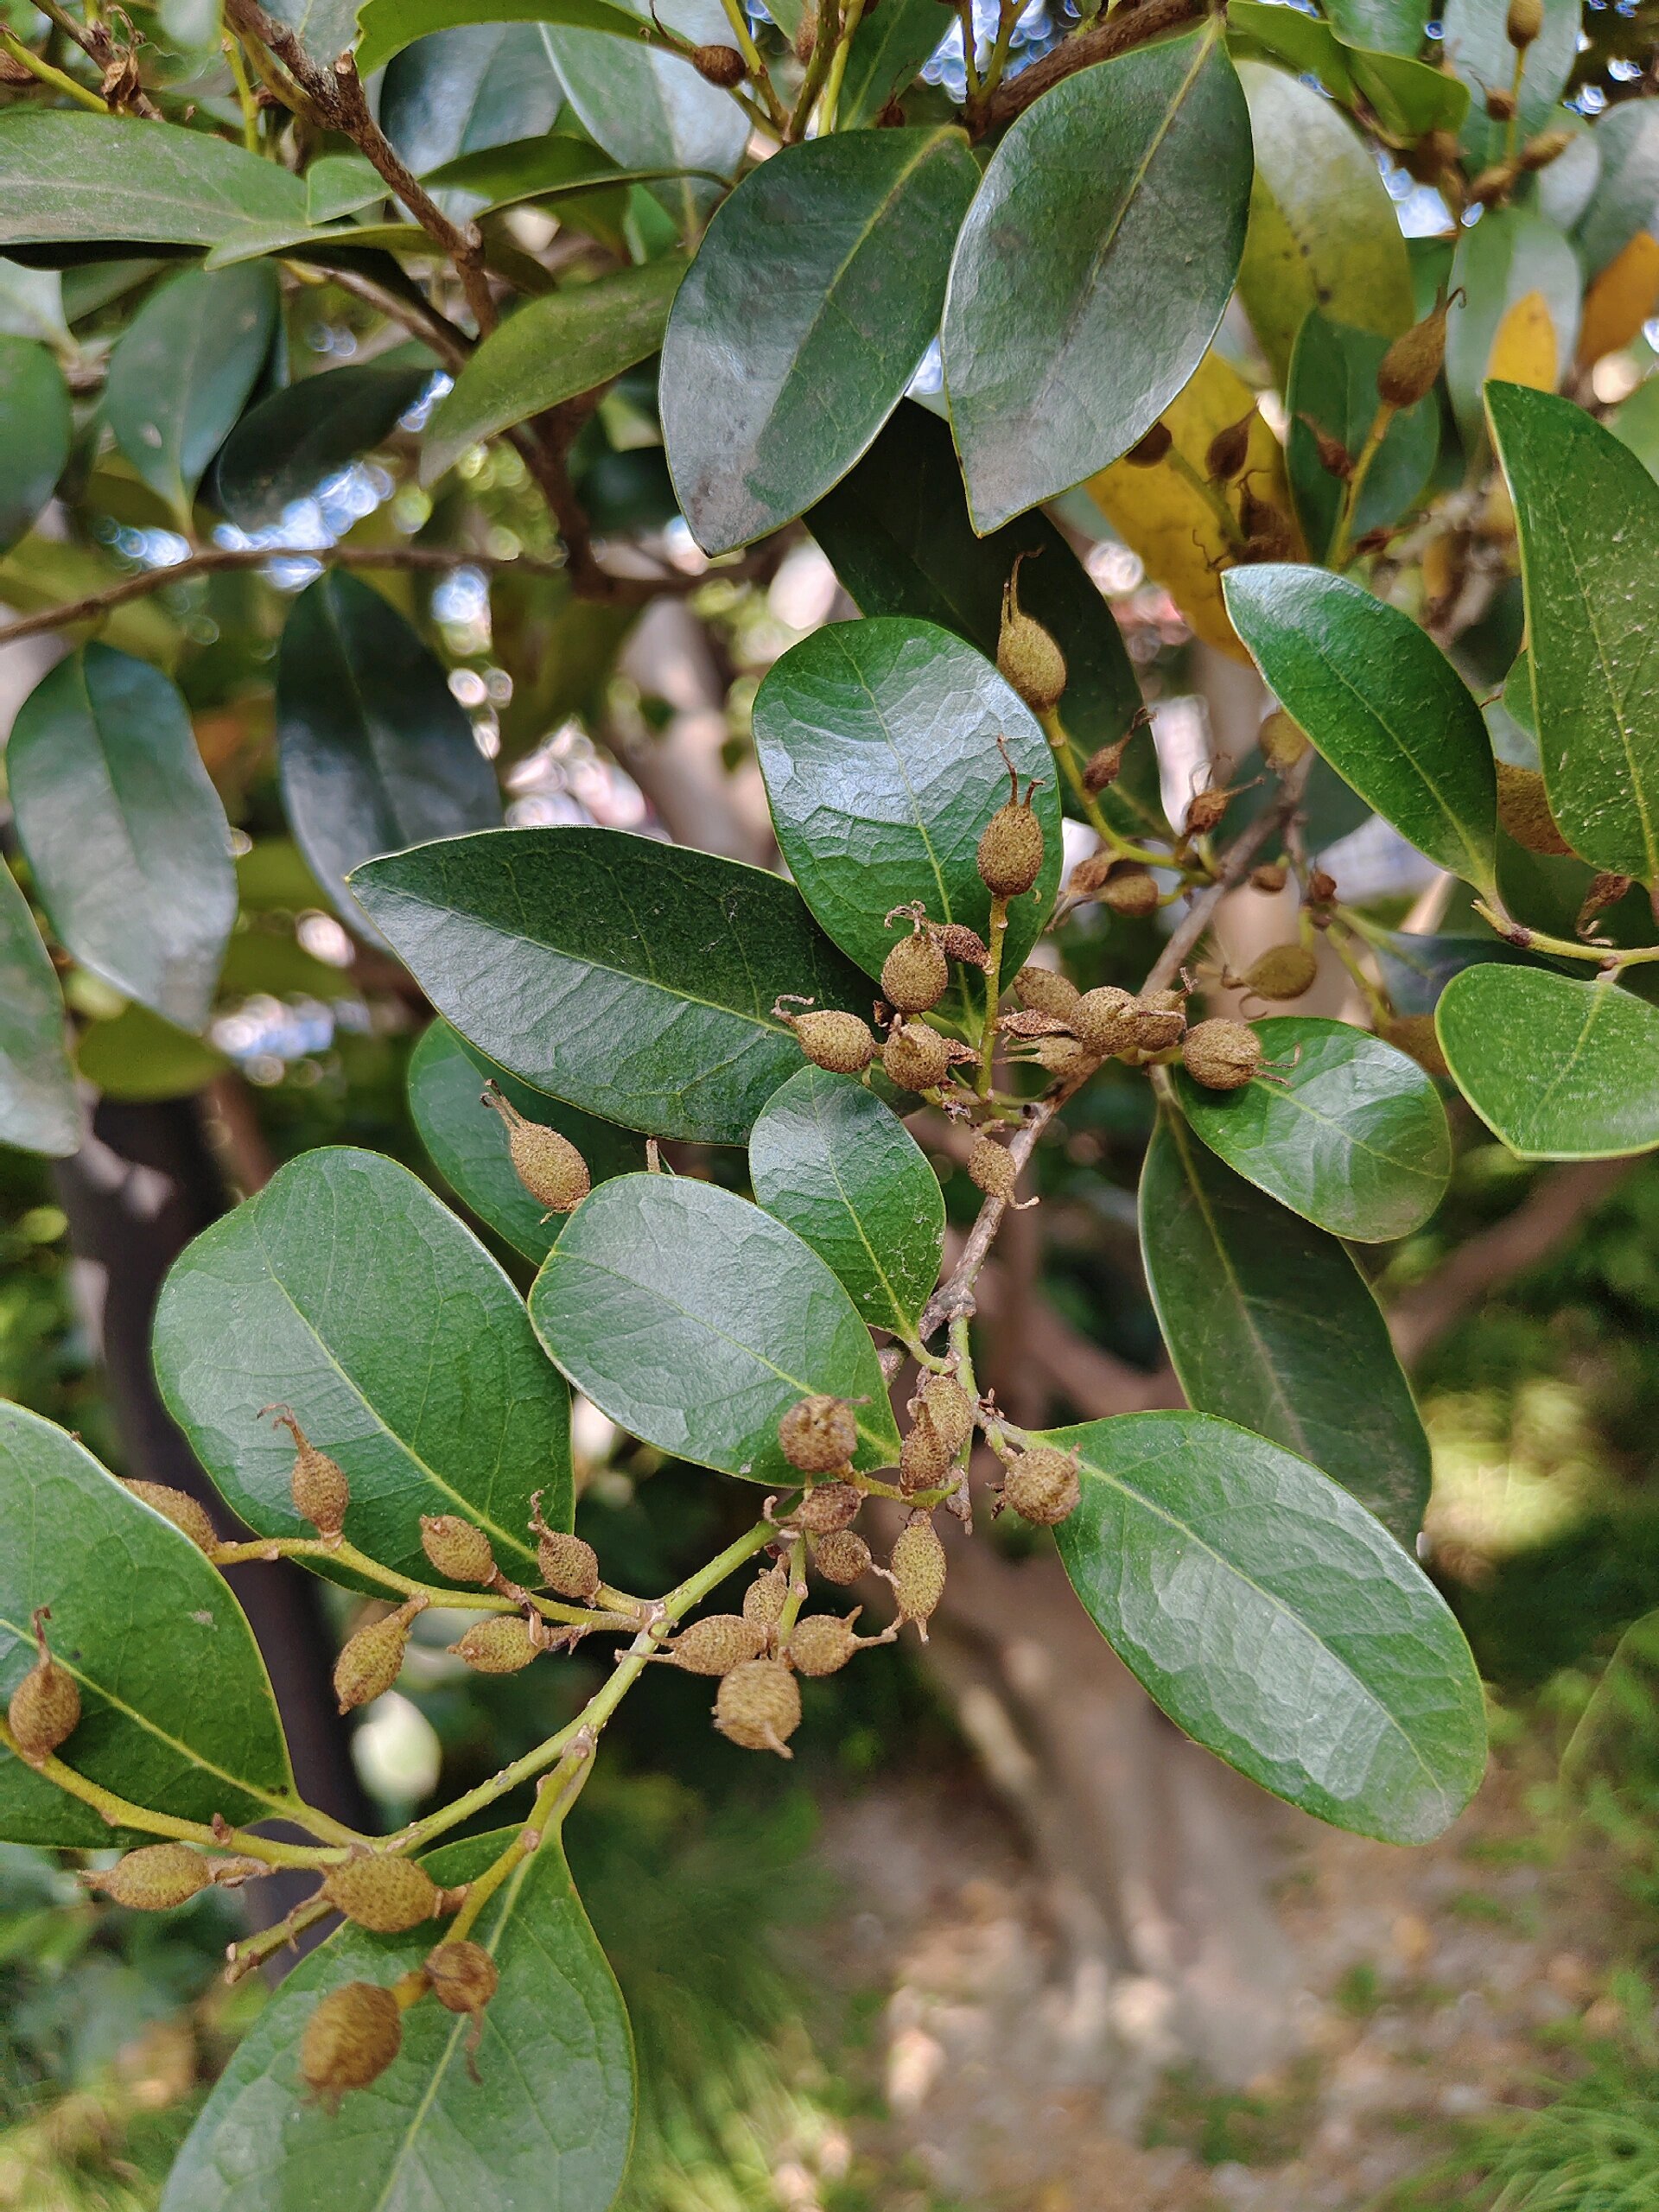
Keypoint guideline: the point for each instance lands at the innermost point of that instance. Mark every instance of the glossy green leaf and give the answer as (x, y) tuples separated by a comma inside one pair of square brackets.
[(1407, 97), (469, 1143), (1547, 891), (388, 26), (1276, 1622), (70, 178), (1626, 196), (1381, 702), (551, 170), (1414, 970), (898, 534), (1323, 231), (834, 1163), (565, 343), (1475, 46), (546, 2120), (375, 754), (176, 1713), (1558, 1068), (1343, 1130), (327, 28), (650, 109), (886, 52), (38, 1109), (1390, 26), (34, 431), (287, 445), (182, 371), (138, 1056), (878, 743), (1333, 384), (1587, 513), (466, 91), (346, 1291), (695, 1321), (1511, 255), (1270, 1323), (633, 979), (341, 184), (125, 834), (1053, 362), (823, 273)]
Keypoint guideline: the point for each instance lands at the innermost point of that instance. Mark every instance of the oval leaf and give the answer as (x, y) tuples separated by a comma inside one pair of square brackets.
[(284, 448), (38, 1108), (34, 429), (469, 1143), (376, 752), (547, 2118), (176, 1711), (1558, 1068), (125, 835), (695, 1321), (1587, 512), (1276, 1622), (545, 947), (464, 90), (1521, 285), (347, 1292), (1333, 387), (389, 25), (1052, 363), (1350, 1134), (1269, 1323), (1381, 703), (823, 273), (878, 743), (71, 179), (182, 370), (835, 1165)]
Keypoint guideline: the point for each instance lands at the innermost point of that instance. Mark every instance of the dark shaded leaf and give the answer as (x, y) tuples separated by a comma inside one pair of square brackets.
[(138, 1056), (1558, 1068), (1518, 274), (467, 91), (287, 445), (182, 371), (389, 25), (1333, 384), (34, 431), (1414, 970), (38, 1109)]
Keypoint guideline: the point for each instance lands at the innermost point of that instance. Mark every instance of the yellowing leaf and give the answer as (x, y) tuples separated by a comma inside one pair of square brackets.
[(1164, 516), (1620, 300), (1524, 346)]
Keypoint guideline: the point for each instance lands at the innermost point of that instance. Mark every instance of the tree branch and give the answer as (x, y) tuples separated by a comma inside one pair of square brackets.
[(1127, 26)]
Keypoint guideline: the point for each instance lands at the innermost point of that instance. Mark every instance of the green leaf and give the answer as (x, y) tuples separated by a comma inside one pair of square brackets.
[(468, 1144), (1052, 364), (1557, 1069), (834, 1163), (898, 534), (695, 1321), (1381, 702), (327, 28), (1276, 1622), (1510, 257), (884, 58), (552, 948), (1323, 232), (824, 274), (182, 370), (1407, 98), (1390, 26), (878, 743), (38, 1109), (128, 843), (284, 448), (138, 1056), (346, 1291), (1587, 513), (1414, 970), (1626, 196), (1475, 44), (71, 179), (1351, 1135), (466, 91), (375, 754), (341, 184), (565, 343), (388, 26), (548, 170), (176, 1712), (547, 2120), (1270, 1323), (1333, 383), (36, 425)]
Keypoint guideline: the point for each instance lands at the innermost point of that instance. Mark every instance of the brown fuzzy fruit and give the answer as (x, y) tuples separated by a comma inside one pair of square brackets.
[(462, 1975), (839, 1042), (819, 1435), (567, 1565), (1130, 890), (915, 975), (1205, 812), (1221, 1055), (1230, 449), (1272, 876), (1160, 1019), (827, 1507), (547, 1165), (765, 1598), (1046, 991), (181, 1509), (1104, 1019), (1523, 811), (1548, 146), (990, 1168), (1010, 855), (1407, 372), (950, 1408), (1524, 22), (458, 1551), (759, 1706), (823, 1643), (45, 1707), (924, 1463), (1149, 449), (915, 1570), (154, 1878), (1090, 872), (1102, 767), (383, 1894), (720, 65), (959, 941), (501, 1645), (842, 1556), (1027, 655), (716, 1643), (1283, 971), (318, 1484), (915, 1056), (1416, 1035), (1042, 1485), (350, 2040), (1063, 1056), (370, 1661)]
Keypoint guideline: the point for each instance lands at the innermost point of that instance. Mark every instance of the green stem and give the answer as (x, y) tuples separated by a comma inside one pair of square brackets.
[(1060, 745), (993, 993), (1355, 484), (812, 81), (1512, 128), (244, 93), (1007, 16), (11, 44), (838, 65), (1213, 497), (759, 75), (1606, 956), (792, 1602), (478, 1601)]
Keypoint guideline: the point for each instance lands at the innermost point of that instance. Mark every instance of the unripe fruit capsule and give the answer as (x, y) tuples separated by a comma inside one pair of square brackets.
[(916, 1571), (1159, 1019), (763, 1599), (567, 1565), (1524, 22), (1010, 855), (915, 1056), (990, 1168), (45, 1707), (840, 1043), (383, 1894), (181, 1509), (370, 1661), (1104, 1019), (759, 1706), (318, 1484), (822, 1643), (350, 2040), (1042, 1485), (1282, 742), (501, 1645), (1046, 991), (715, 1644), (720, 65), (547, 1165), (915, 975), (959, 941), (1027, 655), (1407, 372), (154, 1878), (827, 1507), (842, 1556), (923, 1461), (951, 1410), (1283, 971), (1230, 449), (1130, 890), (457, 1550), (819, 1435), (463, 1975), (1221, 1055), (1103, 766)]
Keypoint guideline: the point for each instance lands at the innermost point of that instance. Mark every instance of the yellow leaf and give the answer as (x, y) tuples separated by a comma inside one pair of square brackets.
[(1620, 300), (1164, 518), (1524, 346)]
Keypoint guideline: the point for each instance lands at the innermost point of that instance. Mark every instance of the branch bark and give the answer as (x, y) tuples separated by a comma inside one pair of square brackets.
[(1127, 26)]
